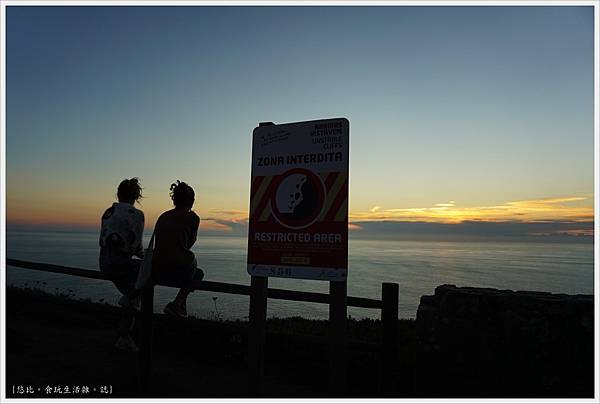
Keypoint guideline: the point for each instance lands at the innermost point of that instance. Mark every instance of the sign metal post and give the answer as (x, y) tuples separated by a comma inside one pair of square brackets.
[(298, 226)]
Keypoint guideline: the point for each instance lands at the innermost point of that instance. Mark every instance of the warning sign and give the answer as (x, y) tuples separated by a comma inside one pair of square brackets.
[(299, 200)]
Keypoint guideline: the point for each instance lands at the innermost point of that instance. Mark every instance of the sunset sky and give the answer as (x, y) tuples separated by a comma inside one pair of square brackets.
[(457, 114)]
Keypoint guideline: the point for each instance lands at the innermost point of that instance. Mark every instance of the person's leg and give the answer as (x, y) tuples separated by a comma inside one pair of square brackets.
[(125, 283), (181, 298), (126, 323), (125, 342), (130, 274), (123, 273)]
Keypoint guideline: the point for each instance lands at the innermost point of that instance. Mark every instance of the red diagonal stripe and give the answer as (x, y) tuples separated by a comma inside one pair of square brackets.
[(256, 184), (330, 180), (263, 202), (339, 199)]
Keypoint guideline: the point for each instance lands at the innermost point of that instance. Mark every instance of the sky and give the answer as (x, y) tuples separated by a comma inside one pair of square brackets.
[(457, 114)]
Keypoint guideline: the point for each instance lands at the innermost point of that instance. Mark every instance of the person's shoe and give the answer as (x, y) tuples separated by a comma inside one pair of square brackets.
[(173, 309), (126, 344)]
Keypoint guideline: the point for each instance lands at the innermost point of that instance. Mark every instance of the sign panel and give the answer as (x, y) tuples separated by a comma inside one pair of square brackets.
[(299, 200)]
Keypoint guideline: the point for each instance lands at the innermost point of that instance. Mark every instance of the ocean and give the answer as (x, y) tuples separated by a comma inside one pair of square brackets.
[(417, 266)]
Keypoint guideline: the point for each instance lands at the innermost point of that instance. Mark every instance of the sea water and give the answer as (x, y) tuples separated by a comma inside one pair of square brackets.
[(417, 266)]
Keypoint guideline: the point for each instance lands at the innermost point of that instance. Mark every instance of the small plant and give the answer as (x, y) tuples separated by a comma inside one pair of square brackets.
[(216, 314)]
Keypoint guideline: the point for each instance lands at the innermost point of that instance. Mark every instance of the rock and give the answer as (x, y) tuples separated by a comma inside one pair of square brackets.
[(482, 342)]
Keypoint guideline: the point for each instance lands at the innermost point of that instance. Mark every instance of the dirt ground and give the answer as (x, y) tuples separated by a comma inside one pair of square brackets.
[(64, 344)]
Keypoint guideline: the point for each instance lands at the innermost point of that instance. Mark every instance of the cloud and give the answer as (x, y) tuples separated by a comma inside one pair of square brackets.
[(354, 226), (225, 221), (375, 209), (579, 232), (212, 225), (229, 212), (552, 200), (232, 227), (547, 209)]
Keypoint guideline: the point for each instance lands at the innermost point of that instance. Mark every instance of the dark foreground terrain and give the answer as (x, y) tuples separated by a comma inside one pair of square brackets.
[(55, 341), (466, 342)]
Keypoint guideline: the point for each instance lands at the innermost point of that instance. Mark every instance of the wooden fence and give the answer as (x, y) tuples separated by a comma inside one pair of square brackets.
[(389, 318)]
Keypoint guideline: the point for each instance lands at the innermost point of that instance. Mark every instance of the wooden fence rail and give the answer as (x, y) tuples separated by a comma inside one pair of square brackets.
[(388, 306), (210, 286)]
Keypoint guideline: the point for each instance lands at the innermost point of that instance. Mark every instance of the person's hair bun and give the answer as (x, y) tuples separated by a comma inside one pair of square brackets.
[(182, 194)]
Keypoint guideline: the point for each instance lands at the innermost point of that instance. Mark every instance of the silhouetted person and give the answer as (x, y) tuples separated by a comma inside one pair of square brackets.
[(120, 240), (175, 234)]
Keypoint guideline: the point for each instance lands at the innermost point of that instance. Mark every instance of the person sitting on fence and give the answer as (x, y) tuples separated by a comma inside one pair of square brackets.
[(121, 240), (176, 231)]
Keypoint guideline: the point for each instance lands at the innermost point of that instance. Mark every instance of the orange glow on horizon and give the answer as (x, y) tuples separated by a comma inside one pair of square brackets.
[(556, 209), (573, 208)]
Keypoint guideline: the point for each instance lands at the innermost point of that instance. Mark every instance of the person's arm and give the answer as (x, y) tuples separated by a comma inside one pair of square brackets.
[(105, 215), (139, 234), (194, 230)]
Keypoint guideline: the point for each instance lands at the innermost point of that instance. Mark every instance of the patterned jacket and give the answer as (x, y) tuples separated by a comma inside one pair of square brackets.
[(122, 230)]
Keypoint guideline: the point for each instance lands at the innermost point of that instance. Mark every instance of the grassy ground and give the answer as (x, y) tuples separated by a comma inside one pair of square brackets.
[(57, 341)]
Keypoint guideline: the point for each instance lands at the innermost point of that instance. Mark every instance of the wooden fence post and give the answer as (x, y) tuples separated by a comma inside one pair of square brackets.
[(389, 337), (256, 333), (147, 312), (338, 359)]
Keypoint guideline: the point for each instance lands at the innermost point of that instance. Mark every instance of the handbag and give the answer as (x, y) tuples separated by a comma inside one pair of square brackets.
[(145, 273)]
